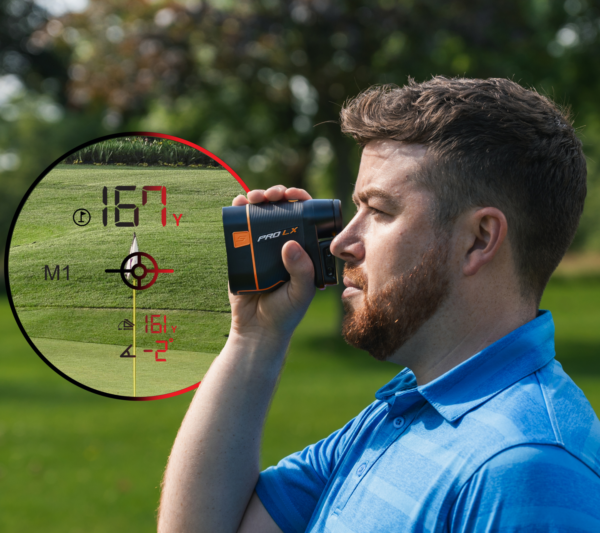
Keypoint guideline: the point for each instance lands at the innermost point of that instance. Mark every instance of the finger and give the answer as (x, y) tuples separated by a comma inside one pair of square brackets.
[(297, 194), (275, 193), (256, 196), (301, 270), (240, 199)]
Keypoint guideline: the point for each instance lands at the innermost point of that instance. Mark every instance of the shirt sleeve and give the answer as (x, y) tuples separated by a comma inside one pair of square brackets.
[(291, 490), (529, 488)]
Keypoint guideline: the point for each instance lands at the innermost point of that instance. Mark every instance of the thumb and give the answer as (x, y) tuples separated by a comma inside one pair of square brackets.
[(301, 270)]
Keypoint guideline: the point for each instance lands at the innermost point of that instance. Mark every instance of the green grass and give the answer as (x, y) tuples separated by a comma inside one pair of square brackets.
[(104, 370), (575, 306), (196, 331), (74, 461), (46, 235), (88, 307)]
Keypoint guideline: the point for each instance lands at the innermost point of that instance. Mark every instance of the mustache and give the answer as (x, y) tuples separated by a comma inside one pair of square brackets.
[(355, 275)]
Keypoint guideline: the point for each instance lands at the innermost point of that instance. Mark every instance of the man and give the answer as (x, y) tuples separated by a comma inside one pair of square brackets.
[(468, 195)]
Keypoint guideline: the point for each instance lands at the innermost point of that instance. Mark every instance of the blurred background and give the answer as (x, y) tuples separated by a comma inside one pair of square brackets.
[(259, 83)]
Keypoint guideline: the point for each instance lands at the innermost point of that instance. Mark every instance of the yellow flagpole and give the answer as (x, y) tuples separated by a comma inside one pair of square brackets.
[(134, 324)]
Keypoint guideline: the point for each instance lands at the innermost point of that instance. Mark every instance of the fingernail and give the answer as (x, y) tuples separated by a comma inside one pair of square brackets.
[(295, 255)]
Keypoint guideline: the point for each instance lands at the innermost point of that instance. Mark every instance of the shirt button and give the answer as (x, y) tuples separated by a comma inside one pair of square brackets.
[(361, 469), (398, 422)]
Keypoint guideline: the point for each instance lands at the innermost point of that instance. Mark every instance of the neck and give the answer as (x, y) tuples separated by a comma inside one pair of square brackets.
[(458, 331)]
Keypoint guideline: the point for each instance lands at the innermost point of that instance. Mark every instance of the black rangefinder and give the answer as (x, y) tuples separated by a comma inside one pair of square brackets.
[(255, 234)]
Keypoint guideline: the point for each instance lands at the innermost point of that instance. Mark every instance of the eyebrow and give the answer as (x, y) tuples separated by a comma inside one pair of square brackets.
[(374, 192)]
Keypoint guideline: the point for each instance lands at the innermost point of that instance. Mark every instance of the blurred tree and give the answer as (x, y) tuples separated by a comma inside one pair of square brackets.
[(261, 82), (22, 67), (23, 54), (35, 126)]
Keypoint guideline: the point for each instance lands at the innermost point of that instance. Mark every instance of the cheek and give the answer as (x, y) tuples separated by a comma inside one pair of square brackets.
[(390, 252), (383, 254)]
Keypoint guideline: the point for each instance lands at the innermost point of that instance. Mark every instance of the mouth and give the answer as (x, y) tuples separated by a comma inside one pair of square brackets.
[(351, 288), (351, 284)]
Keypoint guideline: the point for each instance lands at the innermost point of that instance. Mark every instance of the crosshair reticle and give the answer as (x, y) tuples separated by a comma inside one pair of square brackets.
[(139, 266), (73, 234)]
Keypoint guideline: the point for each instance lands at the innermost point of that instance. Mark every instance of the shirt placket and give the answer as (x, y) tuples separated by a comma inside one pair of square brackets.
[(404, 408)]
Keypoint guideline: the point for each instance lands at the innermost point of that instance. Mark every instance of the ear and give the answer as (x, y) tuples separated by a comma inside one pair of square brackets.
[(486, 230)]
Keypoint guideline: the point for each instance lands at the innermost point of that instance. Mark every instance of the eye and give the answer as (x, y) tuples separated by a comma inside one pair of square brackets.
[(375, 211)]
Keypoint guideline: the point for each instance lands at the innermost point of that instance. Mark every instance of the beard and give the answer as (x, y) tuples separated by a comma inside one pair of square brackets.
[(390, 317)]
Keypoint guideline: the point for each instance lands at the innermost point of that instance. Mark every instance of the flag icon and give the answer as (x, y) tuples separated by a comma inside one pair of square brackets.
[(133, 262)]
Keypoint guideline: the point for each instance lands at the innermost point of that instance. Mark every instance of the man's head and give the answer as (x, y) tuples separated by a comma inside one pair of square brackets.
[(441, 151)]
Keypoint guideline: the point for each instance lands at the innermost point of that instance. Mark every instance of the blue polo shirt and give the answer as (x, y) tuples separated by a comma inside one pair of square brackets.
[(503, 442)]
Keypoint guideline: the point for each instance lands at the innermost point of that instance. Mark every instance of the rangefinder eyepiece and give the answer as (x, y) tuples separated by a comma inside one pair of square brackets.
[(256, 233)]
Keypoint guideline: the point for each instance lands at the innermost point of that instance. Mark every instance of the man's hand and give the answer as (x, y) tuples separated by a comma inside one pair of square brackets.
[(214, 464), (276, 314)]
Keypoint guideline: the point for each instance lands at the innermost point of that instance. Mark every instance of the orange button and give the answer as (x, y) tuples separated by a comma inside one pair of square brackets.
[(241, 238)]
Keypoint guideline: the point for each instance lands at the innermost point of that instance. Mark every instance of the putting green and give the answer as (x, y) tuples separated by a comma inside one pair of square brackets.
[(195, 331), (100, 367)]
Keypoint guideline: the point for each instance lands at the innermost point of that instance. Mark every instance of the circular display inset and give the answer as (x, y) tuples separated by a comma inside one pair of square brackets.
[(116, 264)]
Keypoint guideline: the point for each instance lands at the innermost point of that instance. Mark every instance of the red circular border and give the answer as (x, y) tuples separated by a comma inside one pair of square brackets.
[(246, 188), (197, 147), (12, 227)]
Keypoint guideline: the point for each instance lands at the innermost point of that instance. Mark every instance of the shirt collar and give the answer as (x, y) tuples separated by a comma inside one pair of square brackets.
[(473, 382)]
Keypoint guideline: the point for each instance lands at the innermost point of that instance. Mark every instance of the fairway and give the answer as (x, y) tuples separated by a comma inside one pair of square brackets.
[(46, 235), (182, 230)]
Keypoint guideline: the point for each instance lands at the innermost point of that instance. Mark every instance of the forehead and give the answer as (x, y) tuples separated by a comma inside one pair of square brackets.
[(388, 165)]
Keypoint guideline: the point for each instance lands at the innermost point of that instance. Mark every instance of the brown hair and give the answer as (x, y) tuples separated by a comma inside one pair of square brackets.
[(490, 143)]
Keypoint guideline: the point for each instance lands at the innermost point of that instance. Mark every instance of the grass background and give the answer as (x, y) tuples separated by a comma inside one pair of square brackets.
[(46, 235), (88, 307), (72, 461), (101, 367)]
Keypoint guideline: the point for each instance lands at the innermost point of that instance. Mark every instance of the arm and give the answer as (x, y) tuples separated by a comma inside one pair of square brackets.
[(214, 464), (257, 519)]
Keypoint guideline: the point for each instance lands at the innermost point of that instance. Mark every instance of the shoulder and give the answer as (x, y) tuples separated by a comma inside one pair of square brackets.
[(545, 407), (529, 464), (574, 422), (532, 487)]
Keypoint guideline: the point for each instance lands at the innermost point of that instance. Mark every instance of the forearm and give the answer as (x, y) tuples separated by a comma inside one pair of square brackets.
[(214, 464)]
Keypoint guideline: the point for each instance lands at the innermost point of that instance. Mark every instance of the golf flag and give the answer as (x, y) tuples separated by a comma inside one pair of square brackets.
[(132, 262)]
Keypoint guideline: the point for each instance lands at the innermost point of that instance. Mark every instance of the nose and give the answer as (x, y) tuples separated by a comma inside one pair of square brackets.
[(348, 245)]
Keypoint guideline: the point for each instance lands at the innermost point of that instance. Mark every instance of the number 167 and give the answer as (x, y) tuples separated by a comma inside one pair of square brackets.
[(136, 210)]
